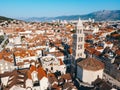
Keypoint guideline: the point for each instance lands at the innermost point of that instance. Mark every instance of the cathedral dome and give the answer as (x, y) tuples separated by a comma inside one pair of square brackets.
[(91, 64)]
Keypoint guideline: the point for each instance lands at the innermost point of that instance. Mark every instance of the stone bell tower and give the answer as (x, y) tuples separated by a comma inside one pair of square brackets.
[(78, 41), (78, 48)]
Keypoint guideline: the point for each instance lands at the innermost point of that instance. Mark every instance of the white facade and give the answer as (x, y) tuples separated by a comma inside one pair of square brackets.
[(34, 75), (88, 76), (6, 66), (108, 45), (1, 32), (29, 83), (11, 40), (39, 53), (4, 80), (100, 49), (95, 29), (53, 49), (44, 83), (17, 40), (40, 31), (52, 64), (17, 88)]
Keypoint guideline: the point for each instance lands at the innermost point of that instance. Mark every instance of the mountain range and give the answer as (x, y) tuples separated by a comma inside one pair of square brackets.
[(2, 18), (104, 15)]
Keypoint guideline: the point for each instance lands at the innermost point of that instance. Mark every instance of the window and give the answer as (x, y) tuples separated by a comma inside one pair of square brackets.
[(51, 68), (79, 54), (80, 39), (79, 47), (80, 31)]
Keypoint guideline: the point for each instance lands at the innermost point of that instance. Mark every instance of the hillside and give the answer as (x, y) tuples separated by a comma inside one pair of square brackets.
[(104, 15), (4, 19), (98, 16)]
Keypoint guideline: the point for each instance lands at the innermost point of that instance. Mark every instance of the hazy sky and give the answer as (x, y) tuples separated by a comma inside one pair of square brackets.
[(50, 8)]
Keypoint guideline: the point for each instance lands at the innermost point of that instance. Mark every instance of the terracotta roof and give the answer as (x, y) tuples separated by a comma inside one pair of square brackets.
[(61, 62), (41, 73), (90, 50), (56, 87), (116, 35), (89, 36), (52, 78), (91, 64), (29, 75), (69, 86), (1, 56), (40, 70), (108, 42), (70, 50), (17, 77), (32, 68), (117, 52), (66, 76), (20, 63), (109, 30), (86, 45), (97, 53), (99, 48), (57, 54), (26, 61)]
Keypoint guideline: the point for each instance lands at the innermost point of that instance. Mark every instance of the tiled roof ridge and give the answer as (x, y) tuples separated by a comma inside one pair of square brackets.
[(91, 64)]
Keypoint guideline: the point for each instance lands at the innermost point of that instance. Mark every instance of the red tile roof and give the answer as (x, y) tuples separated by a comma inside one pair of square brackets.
[(117, 52), (66, 76), (32, 68), (91, 64), (40, 70), (61, 62), (41, 73)]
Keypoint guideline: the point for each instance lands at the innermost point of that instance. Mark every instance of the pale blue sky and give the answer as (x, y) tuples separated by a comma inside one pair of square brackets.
[(51, 8)]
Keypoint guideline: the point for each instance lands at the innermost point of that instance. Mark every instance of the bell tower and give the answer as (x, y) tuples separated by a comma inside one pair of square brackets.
[(78, 48), (78, 41)]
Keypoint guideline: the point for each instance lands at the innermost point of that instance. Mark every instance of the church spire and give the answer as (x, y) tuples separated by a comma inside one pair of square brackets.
[(79, 24), (79, 27)]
